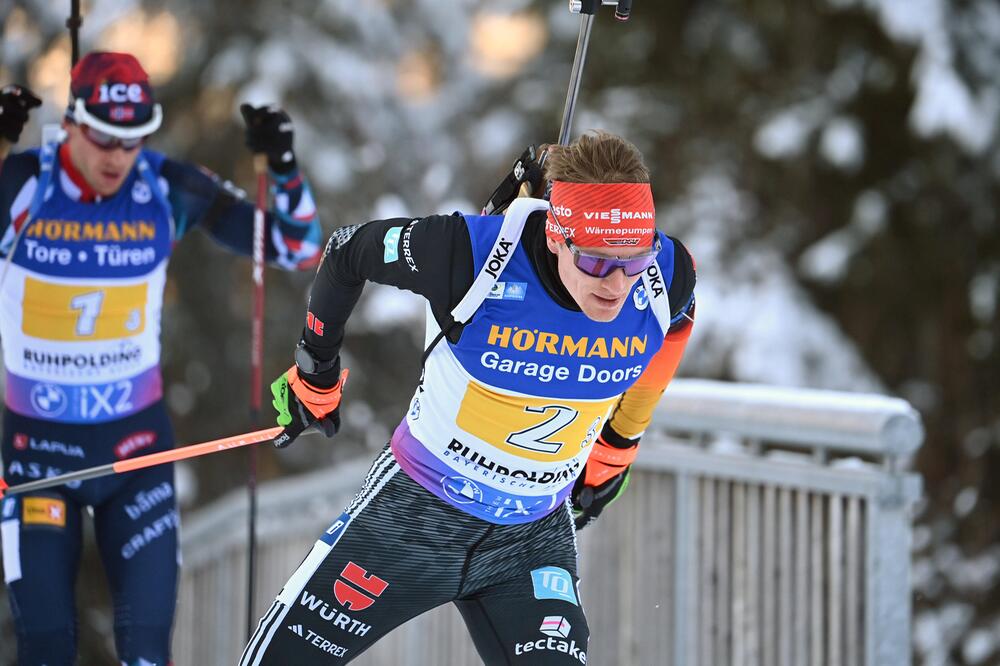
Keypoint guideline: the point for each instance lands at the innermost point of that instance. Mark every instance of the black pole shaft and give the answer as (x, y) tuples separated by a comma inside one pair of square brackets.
[(579, 60), (62, 479), (73, 23)]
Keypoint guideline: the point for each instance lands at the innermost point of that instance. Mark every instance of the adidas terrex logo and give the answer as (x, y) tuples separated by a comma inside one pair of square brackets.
[(323, 644)]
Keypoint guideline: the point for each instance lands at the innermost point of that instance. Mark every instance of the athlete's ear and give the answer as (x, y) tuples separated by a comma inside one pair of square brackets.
[(552, 245)]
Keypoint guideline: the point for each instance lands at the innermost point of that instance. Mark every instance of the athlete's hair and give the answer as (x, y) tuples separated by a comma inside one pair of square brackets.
[(596, 157)]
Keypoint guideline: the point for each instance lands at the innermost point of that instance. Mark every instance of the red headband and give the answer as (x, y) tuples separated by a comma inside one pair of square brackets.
[(602, 214)]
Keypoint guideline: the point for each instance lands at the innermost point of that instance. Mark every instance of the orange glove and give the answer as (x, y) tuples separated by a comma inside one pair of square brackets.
[(301, 403)]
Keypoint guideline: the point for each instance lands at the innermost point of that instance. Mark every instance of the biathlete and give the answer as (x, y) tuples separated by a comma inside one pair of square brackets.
[(552, 331), (86, 229)]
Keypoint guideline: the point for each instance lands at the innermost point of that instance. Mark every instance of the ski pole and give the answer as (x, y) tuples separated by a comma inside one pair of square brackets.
[(275, 434), (73, 23), (587, 9), (256, 365)]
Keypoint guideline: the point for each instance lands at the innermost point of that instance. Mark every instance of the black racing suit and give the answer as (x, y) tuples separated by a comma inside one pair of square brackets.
[(398, 551)]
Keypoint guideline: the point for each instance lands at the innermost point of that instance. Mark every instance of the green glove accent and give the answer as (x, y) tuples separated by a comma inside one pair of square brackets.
[(279, 389), (628, 477)]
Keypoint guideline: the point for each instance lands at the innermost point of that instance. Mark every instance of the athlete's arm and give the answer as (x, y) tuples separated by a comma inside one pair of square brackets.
[(431, 257), (292, 233), (18, 176), (634, 410)]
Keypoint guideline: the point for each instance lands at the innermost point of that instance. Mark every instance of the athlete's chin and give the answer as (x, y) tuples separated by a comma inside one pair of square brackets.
[(602, 309)]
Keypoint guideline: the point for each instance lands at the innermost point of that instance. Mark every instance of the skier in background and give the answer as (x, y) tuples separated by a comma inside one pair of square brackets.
[(86, 229), (551, 332)]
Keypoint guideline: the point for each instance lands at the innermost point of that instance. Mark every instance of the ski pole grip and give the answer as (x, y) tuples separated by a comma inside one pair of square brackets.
[(584, 6), (260, 164), (288, 435)]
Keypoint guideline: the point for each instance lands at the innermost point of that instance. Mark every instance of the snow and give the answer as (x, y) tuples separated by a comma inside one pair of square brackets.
[(945, 104), (965, 501), (827, 260), (842, 144), (748, 301), (785, 135), (984, 292), (979, 645), (936, 632)]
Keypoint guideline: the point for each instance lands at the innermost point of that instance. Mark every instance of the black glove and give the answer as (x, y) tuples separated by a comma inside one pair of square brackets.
[(269, 131), (589, 501), (300, 405), (527, 170), (15, 102), (604, 478)]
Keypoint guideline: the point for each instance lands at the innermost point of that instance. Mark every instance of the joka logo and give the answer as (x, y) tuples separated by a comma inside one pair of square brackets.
[(557, 628), (499, 257), (20, 441), (655, 281), (352, 599)]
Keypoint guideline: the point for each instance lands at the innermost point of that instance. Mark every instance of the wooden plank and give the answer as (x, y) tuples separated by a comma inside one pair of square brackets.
[(816, 592), (753, 581), (771, 577), (786, 578), (835, 578), (723, 569), (739, 575), (854, 613), (706, 549), (800, 613)]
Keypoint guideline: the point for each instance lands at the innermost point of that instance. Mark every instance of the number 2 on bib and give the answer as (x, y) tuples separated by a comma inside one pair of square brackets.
[(536, 437)]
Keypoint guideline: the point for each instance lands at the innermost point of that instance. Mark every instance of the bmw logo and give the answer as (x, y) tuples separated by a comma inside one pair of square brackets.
[(48, 399), (461, 490), (640, 298), (141, 193)]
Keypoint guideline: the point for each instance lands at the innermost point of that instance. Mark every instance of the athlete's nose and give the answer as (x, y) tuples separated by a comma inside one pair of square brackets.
[(615, 280)]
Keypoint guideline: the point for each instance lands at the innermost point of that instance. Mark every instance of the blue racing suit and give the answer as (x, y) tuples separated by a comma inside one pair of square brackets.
[(81, 293)]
